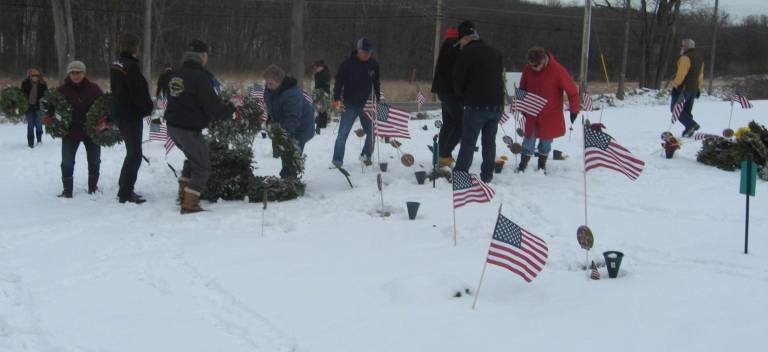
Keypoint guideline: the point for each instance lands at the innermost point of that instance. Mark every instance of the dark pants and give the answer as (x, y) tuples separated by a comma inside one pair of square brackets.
[(132, 134), (474, 123), (69, 150), (289, 170), (34, 127), (197, 167), (345, 126), (450, 131), (322, 120), (686, 117)]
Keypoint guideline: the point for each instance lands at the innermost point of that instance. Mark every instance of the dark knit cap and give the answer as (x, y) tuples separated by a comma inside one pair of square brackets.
[(466, 28), (197, 46)]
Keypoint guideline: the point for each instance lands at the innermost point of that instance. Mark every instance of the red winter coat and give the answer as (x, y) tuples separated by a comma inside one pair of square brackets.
[(549, 83)]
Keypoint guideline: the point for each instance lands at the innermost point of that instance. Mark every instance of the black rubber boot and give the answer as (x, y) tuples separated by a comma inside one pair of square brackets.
[(93, 182), (66, 182), (543, 163), (524, 159)]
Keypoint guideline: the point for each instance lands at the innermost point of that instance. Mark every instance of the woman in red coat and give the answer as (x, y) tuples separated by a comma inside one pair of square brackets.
[(546, 78)]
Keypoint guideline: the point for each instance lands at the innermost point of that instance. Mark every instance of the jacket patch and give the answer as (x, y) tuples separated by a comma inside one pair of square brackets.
[(176, 86)]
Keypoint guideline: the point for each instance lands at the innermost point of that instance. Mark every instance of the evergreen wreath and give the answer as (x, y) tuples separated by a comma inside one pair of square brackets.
[(13, 104), (238, 132), (57, 113), (287, 148), (321, 100), (727, 154), (100, 124)]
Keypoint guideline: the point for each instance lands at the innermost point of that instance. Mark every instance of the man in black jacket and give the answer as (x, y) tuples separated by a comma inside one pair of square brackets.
[(357, 78), (478, 81), (130, 103), (162, 82), (192, 105), (323, 83), (442, 85)]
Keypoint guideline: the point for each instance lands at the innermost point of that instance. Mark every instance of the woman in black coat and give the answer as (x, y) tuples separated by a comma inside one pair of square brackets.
[(322, 82), (34, 88)]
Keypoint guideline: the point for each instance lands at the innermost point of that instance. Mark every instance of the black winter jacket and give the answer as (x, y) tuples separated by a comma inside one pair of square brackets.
[(478, 76), (354, 80), (130, 90), (442, 84), (26, 86), (323, 80), (162, 84), (192, 102)]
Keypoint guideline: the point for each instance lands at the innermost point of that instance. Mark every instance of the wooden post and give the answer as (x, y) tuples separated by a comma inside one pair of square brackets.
[(624, 51), (147, 42), (438, 24), (716, 24), (586, 30), (297, 41)]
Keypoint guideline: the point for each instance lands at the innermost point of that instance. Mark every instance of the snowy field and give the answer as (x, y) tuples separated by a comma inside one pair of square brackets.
[(329, 274)]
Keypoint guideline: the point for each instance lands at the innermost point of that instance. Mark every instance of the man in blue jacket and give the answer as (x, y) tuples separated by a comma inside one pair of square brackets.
[(286, 105), (357, 78)]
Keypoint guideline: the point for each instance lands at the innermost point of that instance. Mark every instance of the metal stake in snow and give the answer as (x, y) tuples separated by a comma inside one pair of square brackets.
[(748, 183), (263, 210), (584, 151), (485, 265), (731, 117)]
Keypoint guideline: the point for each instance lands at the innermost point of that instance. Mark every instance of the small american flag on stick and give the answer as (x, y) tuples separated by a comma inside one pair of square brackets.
[(158, 132), (528, 103), (468, 188), (702, 136), (169, 144), (420, 99), (517, 250), (595, 275), (601, 150), (678, 109), (391, 122), (586, 101), (741, 99)]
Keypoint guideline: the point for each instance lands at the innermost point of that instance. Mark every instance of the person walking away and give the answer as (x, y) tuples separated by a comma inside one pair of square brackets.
[(192, 105), (286, 105), (442, 85), (130, 104), (80, 93), (322, 82), (545, 77), (162, 82), (34, 88), (356, 81), (478, 81), (687, 84)]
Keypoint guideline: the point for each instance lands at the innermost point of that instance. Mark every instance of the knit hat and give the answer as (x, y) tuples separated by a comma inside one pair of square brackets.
[(197, 46), (451, 33), (467, 28), (75, 66), (274, 73), (365, 44)]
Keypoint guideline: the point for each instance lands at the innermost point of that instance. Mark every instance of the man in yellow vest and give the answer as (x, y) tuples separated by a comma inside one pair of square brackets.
[(687, 83)]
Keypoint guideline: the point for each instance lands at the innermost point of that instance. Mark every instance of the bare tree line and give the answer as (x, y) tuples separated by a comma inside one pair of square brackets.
[(247, 35)]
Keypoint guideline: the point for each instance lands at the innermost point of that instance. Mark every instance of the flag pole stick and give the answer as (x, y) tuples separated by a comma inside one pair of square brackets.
[(731, 117), (601, 116), (263, 210), (485, 265), (455, 231), (584, 151)]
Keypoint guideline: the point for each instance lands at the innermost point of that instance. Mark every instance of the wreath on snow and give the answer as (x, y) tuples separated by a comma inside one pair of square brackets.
[(100, 124), (240, 131), (57, 113), (13, 103), (321, 100)]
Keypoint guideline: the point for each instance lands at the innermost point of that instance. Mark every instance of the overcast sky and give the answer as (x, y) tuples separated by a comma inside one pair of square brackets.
[(737, 8)]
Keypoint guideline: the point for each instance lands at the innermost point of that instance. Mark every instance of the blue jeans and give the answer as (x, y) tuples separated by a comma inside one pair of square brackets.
[(529, 144), (473, 123), (34, 126), (69, 147), (686, 117), (345, 126)]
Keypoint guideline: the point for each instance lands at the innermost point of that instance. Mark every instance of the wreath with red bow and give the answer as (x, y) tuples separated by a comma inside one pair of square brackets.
[(100, 124)]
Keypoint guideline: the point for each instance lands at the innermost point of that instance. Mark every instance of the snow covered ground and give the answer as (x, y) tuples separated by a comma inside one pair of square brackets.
[(329, 274)]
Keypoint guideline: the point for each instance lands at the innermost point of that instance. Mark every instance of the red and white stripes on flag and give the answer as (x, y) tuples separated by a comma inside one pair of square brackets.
[(702, 136), (741, 99), (468, 189), (586, 102), (420, 98), (601, 150), (678, 109), (520, 119), (307, 97), (528, 103), (594, 275), (391, 122), (158, 132), (169, 144), (517, 250)]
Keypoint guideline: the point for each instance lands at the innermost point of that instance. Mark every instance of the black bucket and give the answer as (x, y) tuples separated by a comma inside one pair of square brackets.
[(421, 176), (613, 262), (413, 209)]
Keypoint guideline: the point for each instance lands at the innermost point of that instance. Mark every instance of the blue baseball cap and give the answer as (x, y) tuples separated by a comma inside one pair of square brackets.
[(365, 44)]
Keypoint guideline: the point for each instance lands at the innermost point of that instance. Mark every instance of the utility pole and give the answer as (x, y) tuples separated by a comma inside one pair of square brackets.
[(585, 45), (625, 51), (716, 21), (146, 67), (297, 41), (438, 25)]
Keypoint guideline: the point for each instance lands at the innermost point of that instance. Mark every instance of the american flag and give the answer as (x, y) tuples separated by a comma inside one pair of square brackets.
[(678, 109), (158, 132), (601, 150), (586, 101), (595, 275), (520, 121), (745, 104), (169, 144), (702, 136), (468, 188), (420, 99), (528, 102), (504, 118), (162, 103), (257, 92), (307, 97), (517, 250), (391, 122), (368, 108)]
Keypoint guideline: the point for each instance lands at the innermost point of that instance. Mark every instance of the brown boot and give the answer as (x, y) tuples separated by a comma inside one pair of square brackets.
[(524, 159), (445, 162), (183, 182), (543, 163), (191, 202)]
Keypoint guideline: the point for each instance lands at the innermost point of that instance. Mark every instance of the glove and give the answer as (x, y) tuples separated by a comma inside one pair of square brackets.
[(698, 94), (675, 91), (574, 115)]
